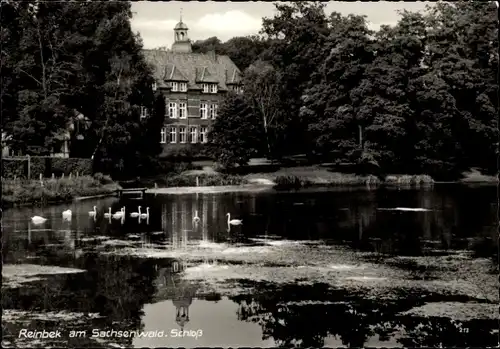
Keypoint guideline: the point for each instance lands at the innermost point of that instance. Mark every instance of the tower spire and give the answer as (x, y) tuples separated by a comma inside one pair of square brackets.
[(181, 15)]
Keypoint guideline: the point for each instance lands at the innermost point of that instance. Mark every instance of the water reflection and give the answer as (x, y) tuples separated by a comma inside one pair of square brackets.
[(156, 290)]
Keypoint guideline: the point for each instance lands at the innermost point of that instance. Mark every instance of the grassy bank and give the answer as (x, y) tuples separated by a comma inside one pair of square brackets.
[(294, 178), (299, 177), (25, 192)]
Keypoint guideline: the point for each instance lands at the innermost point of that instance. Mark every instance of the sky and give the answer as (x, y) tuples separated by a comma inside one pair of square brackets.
[(155, 20)]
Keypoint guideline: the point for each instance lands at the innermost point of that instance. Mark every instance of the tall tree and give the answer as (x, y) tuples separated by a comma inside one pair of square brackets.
[(297, 34), (334, 106), (235, 135), (262, 84)]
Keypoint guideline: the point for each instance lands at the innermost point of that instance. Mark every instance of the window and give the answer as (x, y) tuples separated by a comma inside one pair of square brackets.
[(193, 134), (154, 87), (213, 88), (172, 110), (203, 134), (183, 86), (173, 134), (175, 86), (182, 134), (213, 111), (182, 110), (204, 110), (163, 135), (144, 112), (205, 88)]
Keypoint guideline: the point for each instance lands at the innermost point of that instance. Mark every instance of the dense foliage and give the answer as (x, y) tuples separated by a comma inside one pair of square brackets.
[(65, 59), (234, 135), (420, 96), (243, 50)]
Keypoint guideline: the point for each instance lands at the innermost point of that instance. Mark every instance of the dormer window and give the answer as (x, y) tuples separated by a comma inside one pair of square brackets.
[(183, 86), (153, 86), (175, 86), (209, 88)]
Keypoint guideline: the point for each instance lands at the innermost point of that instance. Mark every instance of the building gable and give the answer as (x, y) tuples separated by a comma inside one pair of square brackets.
[(192, 67)]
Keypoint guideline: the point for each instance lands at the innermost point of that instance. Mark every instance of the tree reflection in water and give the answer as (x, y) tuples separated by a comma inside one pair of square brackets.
[(286, 316)]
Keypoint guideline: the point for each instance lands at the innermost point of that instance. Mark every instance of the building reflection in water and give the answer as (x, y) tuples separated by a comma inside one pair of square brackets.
[(178, 222), (171, 286)]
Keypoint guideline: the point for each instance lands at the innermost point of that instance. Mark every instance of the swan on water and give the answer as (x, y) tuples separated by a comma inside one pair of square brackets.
[(233, 221), (93, 213), (136, 214), (119, 214), (196, 219), (108, 214), (67, 214), (145, 215), (38, 220)]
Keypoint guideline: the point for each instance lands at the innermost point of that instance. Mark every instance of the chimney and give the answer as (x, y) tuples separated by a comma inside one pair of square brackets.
[(212, 55)]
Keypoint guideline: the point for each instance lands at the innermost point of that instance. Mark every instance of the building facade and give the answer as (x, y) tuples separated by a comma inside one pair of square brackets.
[(193, 85)]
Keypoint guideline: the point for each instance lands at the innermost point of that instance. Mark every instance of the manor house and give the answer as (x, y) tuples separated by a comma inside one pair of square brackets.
[(193, 85)]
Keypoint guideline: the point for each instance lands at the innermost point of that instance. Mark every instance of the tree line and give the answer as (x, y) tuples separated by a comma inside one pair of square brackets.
[(418, 97), (62, 59)]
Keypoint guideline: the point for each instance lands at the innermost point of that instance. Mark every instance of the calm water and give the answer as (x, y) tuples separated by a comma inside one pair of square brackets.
[(317, 268)]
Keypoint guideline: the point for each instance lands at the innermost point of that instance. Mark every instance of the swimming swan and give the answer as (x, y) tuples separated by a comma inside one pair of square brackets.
[(196, 219), (67, 214), (233, 221), (107, 215), (38, 220), (136, 214), (119, 214), (145, 215)]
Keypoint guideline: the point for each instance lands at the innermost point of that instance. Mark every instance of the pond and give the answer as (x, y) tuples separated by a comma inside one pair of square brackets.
[(335, 268)]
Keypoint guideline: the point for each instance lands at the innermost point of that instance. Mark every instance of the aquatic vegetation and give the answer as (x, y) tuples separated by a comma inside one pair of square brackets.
[(204, 179), (19, 192)]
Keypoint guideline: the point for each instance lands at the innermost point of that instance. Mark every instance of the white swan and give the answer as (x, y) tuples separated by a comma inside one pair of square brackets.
[(196, 219), (38, 220), (233, 221), (119, 214), (67, 214), (107, 215), (145, 215), (93, 213), (136, 214)]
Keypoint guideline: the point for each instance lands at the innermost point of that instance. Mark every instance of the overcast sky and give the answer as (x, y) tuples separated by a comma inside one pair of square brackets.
[(155, 20)]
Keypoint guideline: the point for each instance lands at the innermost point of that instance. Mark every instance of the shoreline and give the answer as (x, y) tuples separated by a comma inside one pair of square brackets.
[(256, 188), (262, 182)]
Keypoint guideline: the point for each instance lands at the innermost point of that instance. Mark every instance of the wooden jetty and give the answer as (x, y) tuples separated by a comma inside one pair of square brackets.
[(132, 191)]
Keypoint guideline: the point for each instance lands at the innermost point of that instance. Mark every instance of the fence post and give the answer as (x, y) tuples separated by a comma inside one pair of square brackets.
[(77, 174), (53, 177), (197, 181), (41, 179), (29, 166), (70, 175), (62, 176)]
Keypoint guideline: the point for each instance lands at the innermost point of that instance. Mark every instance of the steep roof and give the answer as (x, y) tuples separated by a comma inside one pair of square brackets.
[(192, 67)]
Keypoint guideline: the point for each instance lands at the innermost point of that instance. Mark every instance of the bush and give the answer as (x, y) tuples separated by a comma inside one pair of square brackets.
[(45, 165), (291, 182), (103, 179), (409, 179)]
